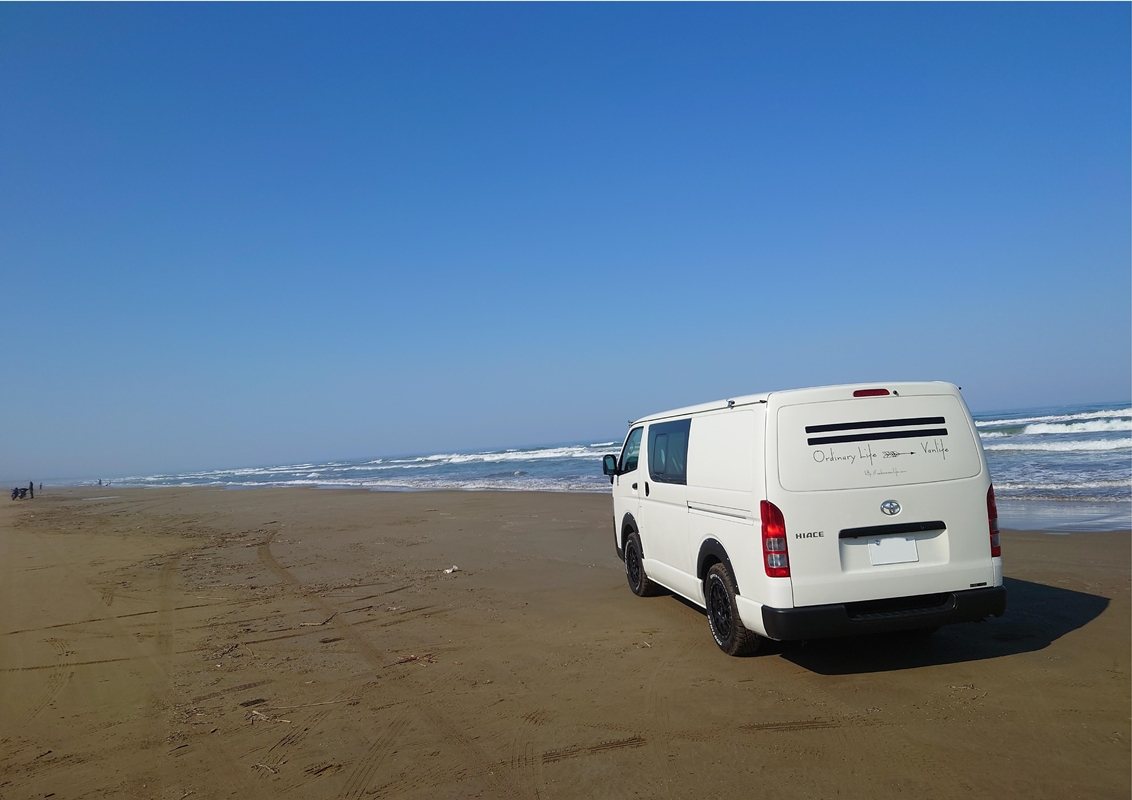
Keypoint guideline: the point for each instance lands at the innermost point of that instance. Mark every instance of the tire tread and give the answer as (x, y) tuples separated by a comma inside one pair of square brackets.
[(743, 642), (647, 587)]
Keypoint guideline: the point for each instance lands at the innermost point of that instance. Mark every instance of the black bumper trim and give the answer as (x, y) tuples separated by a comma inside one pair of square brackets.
[(892, 530), (848, 619)]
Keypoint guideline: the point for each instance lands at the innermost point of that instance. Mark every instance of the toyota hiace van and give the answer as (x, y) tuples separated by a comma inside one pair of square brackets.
[(812, 513)]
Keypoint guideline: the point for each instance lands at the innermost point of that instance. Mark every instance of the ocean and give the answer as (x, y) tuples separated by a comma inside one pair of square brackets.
[(1039, 459)]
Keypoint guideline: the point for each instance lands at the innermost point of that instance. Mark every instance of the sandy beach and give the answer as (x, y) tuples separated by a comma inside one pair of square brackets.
[(200, 643)]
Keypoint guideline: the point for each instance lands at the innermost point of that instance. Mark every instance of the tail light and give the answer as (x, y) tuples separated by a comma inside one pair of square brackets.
[(775, 559), (870, 393), (992, 521)]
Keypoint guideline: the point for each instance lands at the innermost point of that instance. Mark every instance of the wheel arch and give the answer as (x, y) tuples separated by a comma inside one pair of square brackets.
[(713, 552), (628, 525)]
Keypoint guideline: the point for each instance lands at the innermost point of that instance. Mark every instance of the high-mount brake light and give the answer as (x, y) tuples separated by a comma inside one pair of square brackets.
[(992, 522), (870, 393), (775, 559)]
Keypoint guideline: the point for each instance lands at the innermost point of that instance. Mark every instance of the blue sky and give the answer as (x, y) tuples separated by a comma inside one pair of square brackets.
[(250, 234)]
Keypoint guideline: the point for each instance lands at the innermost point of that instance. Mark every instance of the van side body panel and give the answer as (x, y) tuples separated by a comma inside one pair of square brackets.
[(726, 482), (721, 490)]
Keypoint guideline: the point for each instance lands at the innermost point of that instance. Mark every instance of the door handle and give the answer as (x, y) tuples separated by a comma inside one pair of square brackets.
[(634, 487), (646, 488)]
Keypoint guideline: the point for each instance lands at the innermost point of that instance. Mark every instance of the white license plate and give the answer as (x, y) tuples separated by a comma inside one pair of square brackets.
[(892, 550)]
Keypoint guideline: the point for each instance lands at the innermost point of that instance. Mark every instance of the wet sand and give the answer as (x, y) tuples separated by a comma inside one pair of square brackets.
[(209, 643)]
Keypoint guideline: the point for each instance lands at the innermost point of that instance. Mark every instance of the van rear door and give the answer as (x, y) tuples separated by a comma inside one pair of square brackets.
[(883, 496)]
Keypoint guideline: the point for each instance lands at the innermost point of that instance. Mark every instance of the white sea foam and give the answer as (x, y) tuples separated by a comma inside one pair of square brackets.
[(1094, 426), (1102, 414), (574, 451), (310, 470), (1020, 486), (499, 482), (1069, 456), (1064, 447)]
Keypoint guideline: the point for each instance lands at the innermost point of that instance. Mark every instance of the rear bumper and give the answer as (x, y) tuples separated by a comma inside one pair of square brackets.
[(898, 614)]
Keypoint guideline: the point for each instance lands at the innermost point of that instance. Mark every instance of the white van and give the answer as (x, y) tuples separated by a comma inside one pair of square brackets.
[(812, 512)]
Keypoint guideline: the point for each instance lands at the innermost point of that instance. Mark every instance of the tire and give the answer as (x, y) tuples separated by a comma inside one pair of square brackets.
[(639, 582), (723, 614)]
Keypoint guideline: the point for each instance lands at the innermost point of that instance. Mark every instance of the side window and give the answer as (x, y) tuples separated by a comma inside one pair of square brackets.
[(631, 451), (668, 451)]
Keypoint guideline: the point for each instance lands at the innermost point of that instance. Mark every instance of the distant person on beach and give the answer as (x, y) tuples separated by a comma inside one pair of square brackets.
[(41, 487), (100, 481), (31, 489)]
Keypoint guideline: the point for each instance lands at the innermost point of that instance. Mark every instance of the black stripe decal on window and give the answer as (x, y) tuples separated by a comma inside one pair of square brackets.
[(879, 423), (878, 436)]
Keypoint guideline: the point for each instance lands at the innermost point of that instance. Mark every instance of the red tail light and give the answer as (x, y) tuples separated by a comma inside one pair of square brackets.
[(775, 559), (992, 521), (870, 393)]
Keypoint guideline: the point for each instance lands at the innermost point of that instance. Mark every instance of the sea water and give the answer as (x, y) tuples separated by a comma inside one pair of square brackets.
[(556, 468), (1039, 460)]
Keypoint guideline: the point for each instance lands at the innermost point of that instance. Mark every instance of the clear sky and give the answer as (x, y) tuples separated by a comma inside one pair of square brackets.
[(253, 234)]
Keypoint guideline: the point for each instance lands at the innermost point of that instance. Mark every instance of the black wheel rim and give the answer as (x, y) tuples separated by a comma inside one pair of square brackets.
[(633, 565), (719, 607)]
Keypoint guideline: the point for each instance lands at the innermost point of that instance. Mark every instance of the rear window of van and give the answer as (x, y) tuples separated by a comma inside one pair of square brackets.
[(890, 441)]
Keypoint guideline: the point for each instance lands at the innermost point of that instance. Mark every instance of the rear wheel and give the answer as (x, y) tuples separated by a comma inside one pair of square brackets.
[(639, 582), (727, 629)]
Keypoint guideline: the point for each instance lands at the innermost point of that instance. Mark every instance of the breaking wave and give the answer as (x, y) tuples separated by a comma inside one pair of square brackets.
[(1088, 445), (1105, 413), (1078, 453)]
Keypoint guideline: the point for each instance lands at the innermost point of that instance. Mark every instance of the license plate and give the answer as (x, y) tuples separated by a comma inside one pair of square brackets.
[(892, 550)]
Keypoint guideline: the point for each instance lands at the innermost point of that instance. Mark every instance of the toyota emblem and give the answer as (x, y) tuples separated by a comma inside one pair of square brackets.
[(890, 507)]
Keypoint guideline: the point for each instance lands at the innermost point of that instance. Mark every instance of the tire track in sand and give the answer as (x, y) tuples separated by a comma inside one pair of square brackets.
[(662, 748), (524, 760), (360, 777), (477, 761), (154, 671), (62, 670)]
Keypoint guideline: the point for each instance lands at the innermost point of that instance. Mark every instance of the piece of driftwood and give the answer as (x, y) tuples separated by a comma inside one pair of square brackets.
[(308, 705), (318, 624), (427, 658)]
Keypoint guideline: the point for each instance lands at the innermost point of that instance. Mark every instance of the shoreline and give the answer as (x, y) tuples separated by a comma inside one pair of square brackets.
[(1055, 517), (1065, 516)]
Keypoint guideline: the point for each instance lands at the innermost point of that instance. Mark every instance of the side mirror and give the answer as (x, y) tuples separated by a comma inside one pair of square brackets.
[(609, 465)]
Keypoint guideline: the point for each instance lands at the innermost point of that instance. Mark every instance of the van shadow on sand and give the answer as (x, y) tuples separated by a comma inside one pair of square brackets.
[(1036, 616)]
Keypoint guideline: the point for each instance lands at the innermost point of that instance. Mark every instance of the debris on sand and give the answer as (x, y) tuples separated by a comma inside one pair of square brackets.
[(318, 624), (451, 569)]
